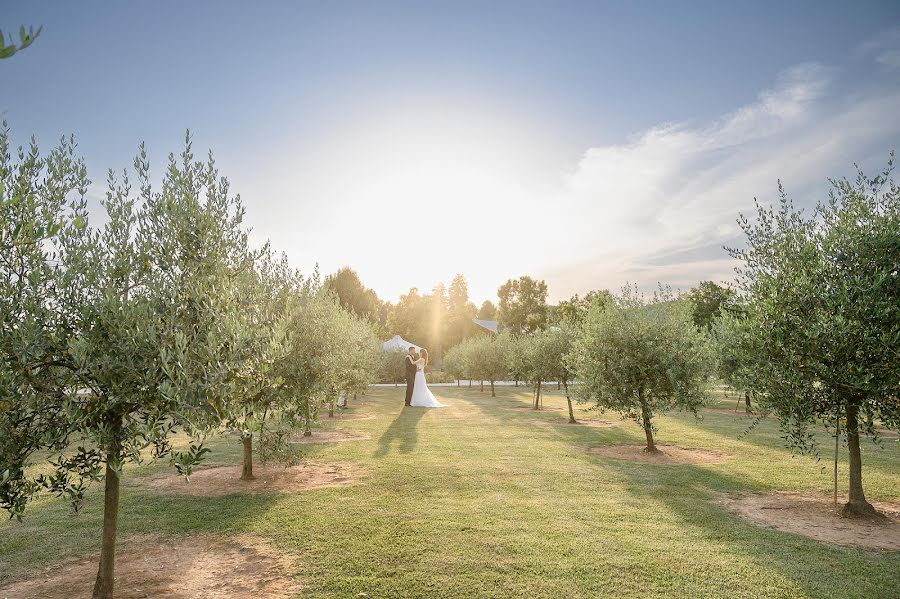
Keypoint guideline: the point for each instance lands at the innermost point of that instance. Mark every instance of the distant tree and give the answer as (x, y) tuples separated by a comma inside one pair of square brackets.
[(487, 359), (523, 305), (708, 299), (353, 295), (458, 294), (456, 362), (823, 307), (436, 323), (574, 309), (460, 312), (641, 358), (26, 38), (409, 318), (487, 311)]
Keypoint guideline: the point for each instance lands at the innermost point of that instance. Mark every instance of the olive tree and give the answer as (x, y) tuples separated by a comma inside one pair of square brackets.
[(456, 361), (487, 359), (26, 38), (41, 200), (146, 306), (315, 367), (551, 348), (358, 352), (823, 310), (641, 358), (266, 295), (391, 367), (733, 357), (527, 362)]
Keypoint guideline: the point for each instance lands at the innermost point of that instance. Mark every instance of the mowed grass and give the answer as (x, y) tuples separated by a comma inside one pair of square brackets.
[(479, 500)]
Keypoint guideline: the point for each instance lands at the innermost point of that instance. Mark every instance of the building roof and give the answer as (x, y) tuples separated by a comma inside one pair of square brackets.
[(488, 325)]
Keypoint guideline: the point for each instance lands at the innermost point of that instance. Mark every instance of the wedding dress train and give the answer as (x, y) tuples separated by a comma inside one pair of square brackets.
[(422, 396)]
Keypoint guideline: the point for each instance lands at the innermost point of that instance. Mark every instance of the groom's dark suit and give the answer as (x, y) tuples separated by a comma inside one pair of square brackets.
[(410, 377)]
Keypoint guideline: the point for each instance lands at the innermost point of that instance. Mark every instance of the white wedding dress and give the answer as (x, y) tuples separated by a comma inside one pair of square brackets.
[(422, 396)]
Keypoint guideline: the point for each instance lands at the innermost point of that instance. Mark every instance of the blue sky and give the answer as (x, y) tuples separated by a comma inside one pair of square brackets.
[(586, 143)]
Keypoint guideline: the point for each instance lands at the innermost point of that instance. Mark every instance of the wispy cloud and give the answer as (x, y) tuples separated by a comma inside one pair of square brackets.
[(885, 48), (659, 207)]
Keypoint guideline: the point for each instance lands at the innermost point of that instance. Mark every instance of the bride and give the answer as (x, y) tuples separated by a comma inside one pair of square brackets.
[(422, 396)]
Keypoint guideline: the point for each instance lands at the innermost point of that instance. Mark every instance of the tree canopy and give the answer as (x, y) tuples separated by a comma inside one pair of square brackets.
[(523, 305), (641, 358), (823, 313)]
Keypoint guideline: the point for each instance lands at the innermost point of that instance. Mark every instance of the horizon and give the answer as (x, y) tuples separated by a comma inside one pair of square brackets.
[(586, 145)]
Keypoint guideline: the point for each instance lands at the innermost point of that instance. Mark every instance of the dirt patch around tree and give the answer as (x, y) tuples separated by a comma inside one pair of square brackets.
[(218, 481), (817, 518), (330, 436), (550, 409), (582, 422), (667, 454), (195, 567)]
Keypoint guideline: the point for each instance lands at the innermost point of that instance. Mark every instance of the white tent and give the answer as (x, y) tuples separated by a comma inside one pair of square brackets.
[(398, 343)]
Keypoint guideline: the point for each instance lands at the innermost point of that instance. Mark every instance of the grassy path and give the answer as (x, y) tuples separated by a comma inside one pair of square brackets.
[(485, 498)]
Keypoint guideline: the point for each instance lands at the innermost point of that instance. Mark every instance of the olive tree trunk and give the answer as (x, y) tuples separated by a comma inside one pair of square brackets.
[(747, 406), (857, 505), (103, 586), (493, 393), (307, 431), (482, 386), (537, 395), (569, 401), (648, 428), (247, 470)]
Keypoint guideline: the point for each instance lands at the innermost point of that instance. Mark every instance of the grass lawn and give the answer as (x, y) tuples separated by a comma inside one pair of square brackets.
[(478, 499)]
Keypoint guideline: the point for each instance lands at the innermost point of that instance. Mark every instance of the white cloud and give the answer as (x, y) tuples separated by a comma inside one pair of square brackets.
[(885, 48), (676, 189)]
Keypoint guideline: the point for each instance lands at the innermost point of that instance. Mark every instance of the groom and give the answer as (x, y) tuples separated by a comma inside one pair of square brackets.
[(410, 361)]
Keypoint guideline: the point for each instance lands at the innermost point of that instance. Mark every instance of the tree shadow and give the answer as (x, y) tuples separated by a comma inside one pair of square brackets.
[(689, 494), (402, 430)]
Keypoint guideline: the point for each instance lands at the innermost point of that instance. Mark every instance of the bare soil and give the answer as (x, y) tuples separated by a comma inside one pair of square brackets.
[(550, 409), (330, 436), (195, 567), (667, 454), (817, 518), (218, 481)]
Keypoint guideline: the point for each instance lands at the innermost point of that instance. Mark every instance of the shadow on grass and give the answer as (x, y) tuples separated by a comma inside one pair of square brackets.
[(402, 430), (816, 569), (52, 533)]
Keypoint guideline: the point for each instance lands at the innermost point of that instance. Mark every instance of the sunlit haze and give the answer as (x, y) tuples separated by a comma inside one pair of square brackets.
[(580, 143)]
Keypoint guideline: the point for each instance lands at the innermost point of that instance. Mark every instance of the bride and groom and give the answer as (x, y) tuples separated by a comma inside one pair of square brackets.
[(417, 392)]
